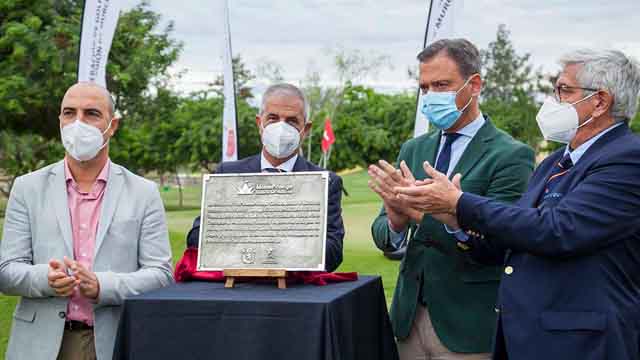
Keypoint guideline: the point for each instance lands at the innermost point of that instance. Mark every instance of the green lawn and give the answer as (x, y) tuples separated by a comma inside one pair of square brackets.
[(359, 209)]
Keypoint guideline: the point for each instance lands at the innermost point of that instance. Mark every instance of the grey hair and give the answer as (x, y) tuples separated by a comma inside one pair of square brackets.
[(609, 70), (461, 51), (286, 90)]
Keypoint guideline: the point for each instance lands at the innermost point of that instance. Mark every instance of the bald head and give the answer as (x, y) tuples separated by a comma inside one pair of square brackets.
[(94, 91)]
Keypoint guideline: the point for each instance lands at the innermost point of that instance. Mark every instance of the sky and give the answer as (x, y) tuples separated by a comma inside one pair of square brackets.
[(300, 35)]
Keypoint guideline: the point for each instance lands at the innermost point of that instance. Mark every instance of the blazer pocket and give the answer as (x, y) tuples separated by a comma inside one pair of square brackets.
[(573, 321), (122, 244), (25, 313), (481, 274)]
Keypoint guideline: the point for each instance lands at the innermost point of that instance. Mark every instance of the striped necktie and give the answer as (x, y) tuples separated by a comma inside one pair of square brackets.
[(559, 170), (562, 168)]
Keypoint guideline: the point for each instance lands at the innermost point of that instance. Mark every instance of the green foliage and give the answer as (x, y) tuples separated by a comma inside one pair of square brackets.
[(506, 74), (175, 132), (369, 126), (510, 89), (23, 153), (635, 122), (39, 54), (517, 117), (242, 76)]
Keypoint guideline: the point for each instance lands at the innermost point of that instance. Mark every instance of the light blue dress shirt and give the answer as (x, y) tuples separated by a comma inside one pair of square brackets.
[(457, 149), (580, 150)]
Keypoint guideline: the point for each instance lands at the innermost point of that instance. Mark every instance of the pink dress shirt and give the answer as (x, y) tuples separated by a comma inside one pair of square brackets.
[(84, 209)]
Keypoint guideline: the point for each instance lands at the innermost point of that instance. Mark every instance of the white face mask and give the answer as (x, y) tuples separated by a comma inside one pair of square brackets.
[(559, 121), (280, 139), (83, 141)]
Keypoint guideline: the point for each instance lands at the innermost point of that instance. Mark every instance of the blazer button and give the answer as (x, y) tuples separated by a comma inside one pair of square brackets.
[(62, 315), (496, 310), (508, 270)]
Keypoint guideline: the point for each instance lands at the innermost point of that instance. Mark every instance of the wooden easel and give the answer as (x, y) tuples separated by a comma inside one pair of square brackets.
[(232, 274)]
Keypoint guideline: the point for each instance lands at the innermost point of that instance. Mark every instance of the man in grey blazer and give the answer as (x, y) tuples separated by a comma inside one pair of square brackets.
[(80, 236)]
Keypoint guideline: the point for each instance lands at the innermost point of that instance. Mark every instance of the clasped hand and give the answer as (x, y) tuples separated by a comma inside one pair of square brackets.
[(68, 276), (410, 198)]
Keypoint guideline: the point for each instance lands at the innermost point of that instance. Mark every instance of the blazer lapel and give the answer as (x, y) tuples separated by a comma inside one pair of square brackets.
[(538, 185), (60, 202), (115, 184), (476, 149), (429, 147), (301, 164), (253, 165)]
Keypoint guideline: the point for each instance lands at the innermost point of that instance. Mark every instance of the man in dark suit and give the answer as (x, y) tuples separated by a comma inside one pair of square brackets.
[(443, 306), (571, 245), (283, 125)]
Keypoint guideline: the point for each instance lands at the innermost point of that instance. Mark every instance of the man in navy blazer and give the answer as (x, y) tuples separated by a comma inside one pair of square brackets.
[(571, 245), (283, 125)]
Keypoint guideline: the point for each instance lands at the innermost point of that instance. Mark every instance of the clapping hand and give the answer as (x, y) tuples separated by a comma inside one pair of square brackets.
[(384, 180), (437, 196)]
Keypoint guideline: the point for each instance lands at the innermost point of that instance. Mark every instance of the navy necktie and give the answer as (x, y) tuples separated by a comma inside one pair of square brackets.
[(273, 170), (442, 165)]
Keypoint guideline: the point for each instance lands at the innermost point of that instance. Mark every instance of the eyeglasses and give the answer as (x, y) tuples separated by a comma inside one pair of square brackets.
[(564, 90)]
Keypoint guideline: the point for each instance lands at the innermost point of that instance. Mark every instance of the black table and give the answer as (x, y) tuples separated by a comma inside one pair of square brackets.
[(202, 320)]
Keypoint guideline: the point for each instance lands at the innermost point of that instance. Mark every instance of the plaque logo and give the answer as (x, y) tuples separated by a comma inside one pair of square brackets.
[(271, 259), (246, 189), (248, 256)]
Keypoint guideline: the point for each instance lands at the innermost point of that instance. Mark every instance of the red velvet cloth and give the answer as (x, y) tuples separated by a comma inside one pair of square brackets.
[(186, 271)]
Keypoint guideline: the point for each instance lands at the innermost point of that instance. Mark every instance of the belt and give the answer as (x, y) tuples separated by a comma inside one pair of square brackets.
[(76, 325)]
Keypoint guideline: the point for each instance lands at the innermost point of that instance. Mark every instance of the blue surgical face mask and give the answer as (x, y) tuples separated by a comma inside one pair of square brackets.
[(441, 109)]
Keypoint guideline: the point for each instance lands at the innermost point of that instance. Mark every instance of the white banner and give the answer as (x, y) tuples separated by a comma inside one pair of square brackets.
[(229, 122), (440, 25), (100, 18)]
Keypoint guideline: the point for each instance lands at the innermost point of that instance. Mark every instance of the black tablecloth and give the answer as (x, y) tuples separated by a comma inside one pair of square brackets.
[(202, 320)]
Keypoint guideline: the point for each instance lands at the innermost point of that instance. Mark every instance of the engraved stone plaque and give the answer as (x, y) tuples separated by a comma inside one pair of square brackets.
[(263, 221)]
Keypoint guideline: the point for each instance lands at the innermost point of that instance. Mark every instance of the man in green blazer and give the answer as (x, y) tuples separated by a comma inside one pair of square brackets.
[(443, 306)]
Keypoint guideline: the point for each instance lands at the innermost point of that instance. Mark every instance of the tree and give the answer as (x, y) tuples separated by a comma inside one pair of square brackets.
[(38, 62), (39, 56), (242, 76), (506, 73), (201, 140), (271, 71), (351, 66), (24, 153), (510, 89), (369, 126)]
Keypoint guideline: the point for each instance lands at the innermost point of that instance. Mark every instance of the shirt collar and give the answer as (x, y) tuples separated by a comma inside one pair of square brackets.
[(472, 128), (580, 150), (286, 166), (103, 176)]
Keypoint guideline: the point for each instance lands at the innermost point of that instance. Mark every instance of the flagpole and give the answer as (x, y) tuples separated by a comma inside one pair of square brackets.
[(426, 31), (424, 45), (84, 7), (233, 78)]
